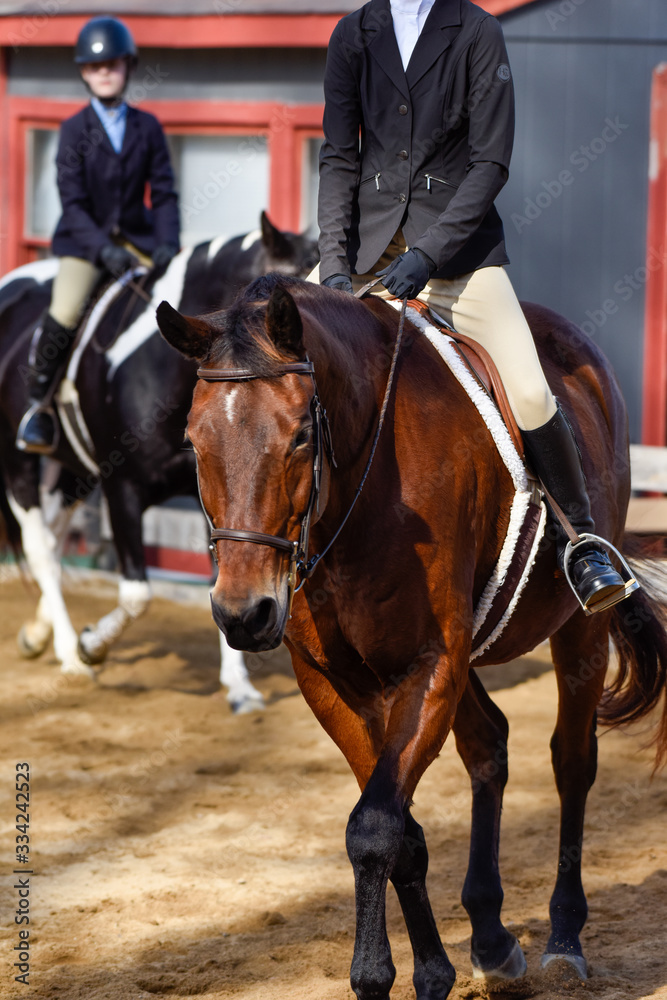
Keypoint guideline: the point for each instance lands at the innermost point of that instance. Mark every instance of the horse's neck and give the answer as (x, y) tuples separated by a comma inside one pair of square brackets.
[(349, 351)]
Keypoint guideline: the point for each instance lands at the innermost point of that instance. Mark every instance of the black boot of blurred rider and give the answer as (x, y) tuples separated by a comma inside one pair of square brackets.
[(38, 430)]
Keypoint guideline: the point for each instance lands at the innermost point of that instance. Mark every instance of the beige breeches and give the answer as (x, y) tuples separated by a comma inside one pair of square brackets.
[(484, 306), (72, 286), (74, 283)]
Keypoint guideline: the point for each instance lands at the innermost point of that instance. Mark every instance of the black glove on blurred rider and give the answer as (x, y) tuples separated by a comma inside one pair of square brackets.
[(117, 259), (406, 276), (339, 281), (163, 255)]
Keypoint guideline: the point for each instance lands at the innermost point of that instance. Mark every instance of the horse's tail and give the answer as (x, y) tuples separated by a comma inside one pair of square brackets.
[(10, 531), (638, 631)]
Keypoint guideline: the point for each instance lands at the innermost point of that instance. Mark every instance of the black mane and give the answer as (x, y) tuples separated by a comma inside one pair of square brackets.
[(243, 341)]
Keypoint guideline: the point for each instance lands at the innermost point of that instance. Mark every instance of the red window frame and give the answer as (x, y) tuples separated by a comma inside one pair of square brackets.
[(285, 127), (654, 416)]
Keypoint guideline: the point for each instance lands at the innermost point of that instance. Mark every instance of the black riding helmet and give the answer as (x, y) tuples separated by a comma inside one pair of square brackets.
[(103, 39)]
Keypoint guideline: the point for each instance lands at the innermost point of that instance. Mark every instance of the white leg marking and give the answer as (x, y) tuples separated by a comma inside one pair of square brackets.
[(134, 596), (241, 695), (40, 547)]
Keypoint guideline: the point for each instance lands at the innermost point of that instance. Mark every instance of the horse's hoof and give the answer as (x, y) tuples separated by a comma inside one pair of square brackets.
[(247, 704), (75, 668), (578, 962), (91, 651), (514, 967), (32, 640)]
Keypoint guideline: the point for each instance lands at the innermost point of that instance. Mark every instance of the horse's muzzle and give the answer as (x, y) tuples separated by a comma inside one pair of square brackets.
[(259, 625)]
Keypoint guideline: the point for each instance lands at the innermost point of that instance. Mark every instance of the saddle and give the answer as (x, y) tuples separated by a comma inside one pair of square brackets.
[(482, 367)]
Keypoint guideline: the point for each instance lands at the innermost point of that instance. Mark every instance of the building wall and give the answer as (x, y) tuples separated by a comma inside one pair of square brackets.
[(181, 74), (578, 243)]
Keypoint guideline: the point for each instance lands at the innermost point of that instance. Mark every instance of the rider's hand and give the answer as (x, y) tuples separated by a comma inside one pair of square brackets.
[(117, 259), (163, 255), (406, 276), (340, 281)]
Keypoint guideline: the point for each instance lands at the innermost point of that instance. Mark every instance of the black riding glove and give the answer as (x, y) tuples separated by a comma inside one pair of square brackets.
[(340, 281), (117, 259), (406, 276), (163, 255)]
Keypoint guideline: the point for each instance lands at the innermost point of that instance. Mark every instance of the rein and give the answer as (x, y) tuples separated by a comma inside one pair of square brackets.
[(298, 550)]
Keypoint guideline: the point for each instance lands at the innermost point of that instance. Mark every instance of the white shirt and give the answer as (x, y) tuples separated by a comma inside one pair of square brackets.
[(409, 17)]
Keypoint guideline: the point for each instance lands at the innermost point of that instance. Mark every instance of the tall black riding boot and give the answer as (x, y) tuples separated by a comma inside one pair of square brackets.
[(38, 429), (555, 458)]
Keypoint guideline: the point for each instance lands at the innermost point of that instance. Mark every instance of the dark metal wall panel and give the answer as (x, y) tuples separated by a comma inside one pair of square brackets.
[(583, 98), (184, 74)]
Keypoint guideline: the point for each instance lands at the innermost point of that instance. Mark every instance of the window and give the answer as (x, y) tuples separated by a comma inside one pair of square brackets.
[(309, 183), (223, 183), (42, 206)]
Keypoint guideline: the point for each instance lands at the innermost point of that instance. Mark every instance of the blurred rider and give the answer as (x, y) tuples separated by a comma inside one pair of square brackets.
[(108, 152)]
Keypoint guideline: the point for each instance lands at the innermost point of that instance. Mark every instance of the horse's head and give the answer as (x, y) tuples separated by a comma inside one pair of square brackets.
[(289, 253), (254, 442)]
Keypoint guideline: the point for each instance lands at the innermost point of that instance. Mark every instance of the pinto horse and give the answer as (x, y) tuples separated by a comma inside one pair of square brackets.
[(133, 397), (384, 663)]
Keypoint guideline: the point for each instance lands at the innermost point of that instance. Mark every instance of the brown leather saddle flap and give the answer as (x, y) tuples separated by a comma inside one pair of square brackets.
[(481, 365)]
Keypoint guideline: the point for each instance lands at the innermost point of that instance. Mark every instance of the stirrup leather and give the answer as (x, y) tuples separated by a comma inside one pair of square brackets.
[(629, 580)]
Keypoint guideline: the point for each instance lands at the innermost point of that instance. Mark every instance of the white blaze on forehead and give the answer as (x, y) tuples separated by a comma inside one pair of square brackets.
[(251, 238), (229, 404)]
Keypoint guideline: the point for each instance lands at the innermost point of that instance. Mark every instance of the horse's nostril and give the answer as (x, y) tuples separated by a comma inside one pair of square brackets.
[(261, 617)]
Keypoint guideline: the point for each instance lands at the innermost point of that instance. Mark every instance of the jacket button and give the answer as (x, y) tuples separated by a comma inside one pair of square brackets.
[(401, 198), (402, 109), (403, 155)]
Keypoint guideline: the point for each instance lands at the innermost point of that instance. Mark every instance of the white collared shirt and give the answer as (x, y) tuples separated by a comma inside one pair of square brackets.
[(409, 17)]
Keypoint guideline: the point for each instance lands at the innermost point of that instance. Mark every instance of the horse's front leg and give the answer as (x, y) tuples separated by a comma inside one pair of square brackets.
[(433, 972), (481, 730), (241, 694), (41, 548), (125, 510), (422, 710)]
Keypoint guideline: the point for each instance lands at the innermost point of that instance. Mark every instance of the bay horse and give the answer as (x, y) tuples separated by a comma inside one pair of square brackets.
[(384, 661), (133, 395)]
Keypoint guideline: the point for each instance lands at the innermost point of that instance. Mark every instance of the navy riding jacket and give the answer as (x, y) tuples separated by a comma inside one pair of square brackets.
[(102, 192)]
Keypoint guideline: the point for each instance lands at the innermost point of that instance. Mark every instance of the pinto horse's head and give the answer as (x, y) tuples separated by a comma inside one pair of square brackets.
[(253, 440)]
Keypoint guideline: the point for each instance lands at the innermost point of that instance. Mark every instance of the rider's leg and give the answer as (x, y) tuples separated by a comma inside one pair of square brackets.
[(73, 284), (483, 305)]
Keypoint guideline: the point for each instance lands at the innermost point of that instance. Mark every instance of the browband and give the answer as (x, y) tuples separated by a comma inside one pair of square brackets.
[(246, 374)]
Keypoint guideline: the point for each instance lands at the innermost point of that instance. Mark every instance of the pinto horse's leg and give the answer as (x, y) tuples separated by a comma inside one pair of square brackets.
[(241, 694), (40, 546), (125, 510), (34, 636), (481, 729), (580, 651)]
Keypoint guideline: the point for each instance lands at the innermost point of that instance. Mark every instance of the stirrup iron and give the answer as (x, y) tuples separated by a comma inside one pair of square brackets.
[(631, 584)]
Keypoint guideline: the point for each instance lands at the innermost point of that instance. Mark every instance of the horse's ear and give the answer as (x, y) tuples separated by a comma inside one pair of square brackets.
[(283, 323), (274, 240), (188, 334)]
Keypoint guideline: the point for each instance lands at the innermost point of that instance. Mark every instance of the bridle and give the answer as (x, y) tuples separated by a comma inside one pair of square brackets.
[(322, 444)]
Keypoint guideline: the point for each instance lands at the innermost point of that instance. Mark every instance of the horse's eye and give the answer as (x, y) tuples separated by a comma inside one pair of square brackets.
[(302, 437)]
